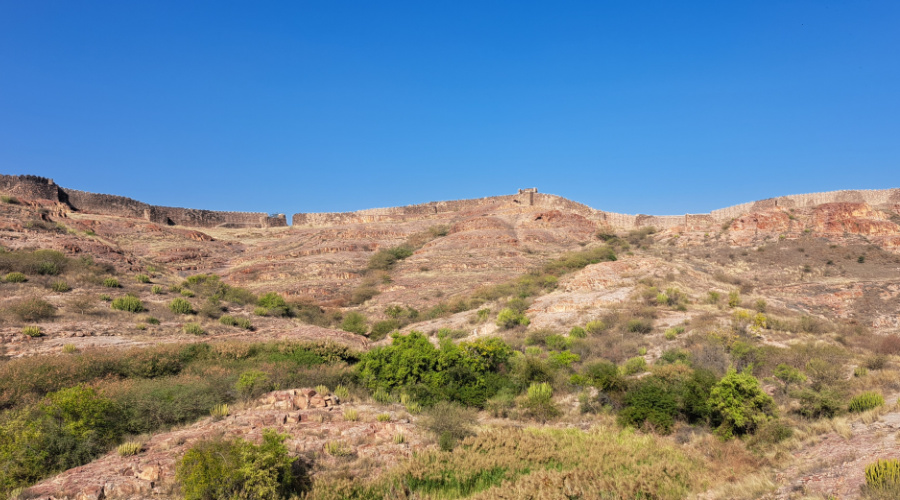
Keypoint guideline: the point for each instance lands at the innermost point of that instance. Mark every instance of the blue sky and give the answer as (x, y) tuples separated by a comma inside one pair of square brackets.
[(637, 107)]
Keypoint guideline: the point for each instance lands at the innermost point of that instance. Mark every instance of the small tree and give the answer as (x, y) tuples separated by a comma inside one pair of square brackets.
[(740, 403)]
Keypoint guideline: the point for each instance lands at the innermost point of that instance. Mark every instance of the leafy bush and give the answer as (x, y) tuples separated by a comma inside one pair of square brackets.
[(825, 403), (635, 365), (239, 469), (639, 325), (650, 402), (15, 277), (181, 306), (111, 283), (355, 322), (275, 304), (253, 383), (508, 318), (32, 331), (466, 372), (604, 376), (596, 327), (381, 329), (32, 309), (866, 401), (577, 332), (386, 258), (128, 303), (740, 403)]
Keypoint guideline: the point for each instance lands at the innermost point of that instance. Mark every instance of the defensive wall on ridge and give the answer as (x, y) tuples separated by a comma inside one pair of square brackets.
[(34, 187)]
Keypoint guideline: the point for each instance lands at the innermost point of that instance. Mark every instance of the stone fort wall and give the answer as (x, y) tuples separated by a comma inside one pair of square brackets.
[(27, 186), (33, 187)]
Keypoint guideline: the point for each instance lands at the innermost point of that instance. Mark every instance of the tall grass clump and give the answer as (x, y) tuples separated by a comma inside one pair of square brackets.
[(128, 303), (866, 401), (181, 306)]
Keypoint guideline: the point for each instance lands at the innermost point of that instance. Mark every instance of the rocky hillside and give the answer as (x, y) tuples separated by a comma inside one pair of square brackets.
[(817, 274)]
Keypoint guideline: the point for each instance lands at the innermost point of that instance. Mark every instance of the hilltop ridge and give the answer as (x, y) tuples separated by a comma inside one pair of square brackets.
[(36, 187)]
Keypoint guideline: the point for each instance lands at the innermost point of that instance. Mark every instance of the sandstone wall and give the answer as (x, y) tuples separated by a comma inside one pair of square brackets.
[(29, 186)]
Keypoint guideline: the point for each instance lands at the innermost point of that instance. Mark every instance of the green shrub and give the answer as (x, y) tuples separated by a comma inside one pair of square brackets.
[(181, 306), (383, 417), (740, 403), (111, 283), (239, 469), (596, 327), (355, 322), (650, 402), (151, 320), (274, 304), (15, 277), (156, 290), (253, 383), (32, 331), (635, 365), (261, 311), (713, 297), (558, 342), (381, 329), (604, 376), (386, 258), (577, 332), (60, 286), (464, 372), (12, 200), (105, 297), (866, 401), (187, 293), (563, 359), (824, 403), (734, 299), (142, 278), (883, 474), (508, 318), (228, 320), (244, 323), (219, 411), (193, 329), (639, 325), (128, 303), (32, 309)]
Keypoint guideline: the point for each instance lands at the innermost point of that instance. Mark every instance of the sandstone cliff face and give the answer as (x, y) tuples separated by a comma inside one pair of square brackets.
[(853, 218)]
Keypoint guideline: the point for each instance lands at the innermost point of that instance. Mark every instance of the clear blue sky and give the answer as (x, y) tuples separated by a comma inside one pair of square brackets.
[(653, 107)]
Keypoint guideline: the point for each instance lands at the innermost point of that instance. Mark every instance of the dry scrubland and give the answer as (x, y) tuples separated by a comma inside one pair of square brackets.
[(499, 350)]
